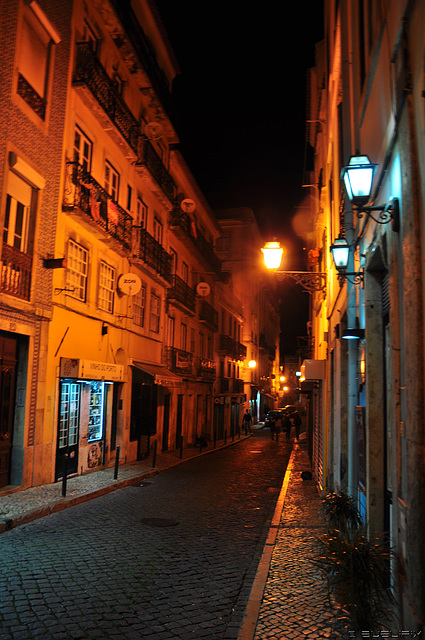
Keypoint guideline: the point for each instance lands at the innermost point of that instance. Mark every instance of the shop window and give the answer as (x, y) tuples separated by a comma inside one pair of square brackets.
[(155, 313), (106, 287), (139, 306), (112, 181), (96, 411), (77, 270), (69, 414), (35, 56), (83, 148)]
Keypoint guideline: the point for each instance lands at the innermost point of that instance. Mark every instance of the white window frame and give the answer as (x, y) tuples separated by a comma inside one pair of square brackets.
[(142, 213), (77, 270), (139, 306), (157, 230), (183, 336), (155, 312), (105, 298), (17, 214), (112, 181), (83, 149)]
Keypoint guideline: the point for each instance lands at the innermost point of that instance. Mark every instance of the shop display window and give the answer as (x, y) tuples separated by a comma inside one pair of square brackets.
[(96, 411)]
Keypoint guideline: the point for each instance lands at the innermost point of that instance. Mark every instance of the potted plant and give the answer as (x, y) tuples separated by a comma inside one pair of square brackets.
[(355, 567)]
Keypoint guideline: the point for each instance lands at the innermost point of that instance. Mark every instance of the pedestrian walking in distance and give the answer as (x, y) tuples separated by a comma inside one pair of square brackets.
[(246, 422), (287, 425), (272, 421), (297, 424)]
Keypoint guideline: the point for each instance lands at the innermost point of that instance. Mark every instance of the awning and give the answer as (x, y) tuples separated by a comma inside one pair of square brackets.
[(160, 375)]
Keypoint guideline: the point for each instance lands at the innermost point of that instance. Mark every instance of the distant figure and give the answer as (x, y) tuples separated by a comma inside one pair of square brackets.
[(279, 426), (272, 420), (297, 424), (246, 422), (287, 425)]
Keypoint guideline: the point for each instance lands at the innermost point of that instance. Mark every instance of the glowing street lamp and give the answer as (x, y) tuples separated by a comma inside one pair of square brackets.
[(311, 281), (273, 253)]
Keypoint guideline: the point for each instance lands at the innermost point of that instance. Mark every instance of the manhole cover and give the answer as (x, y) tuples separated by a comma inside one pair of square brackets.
[(159, 522)]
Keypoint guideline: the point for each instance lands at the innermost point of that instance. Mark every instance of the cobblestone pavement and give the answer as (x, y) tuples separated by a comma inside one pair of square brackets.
[(292, 606), (172, 556)]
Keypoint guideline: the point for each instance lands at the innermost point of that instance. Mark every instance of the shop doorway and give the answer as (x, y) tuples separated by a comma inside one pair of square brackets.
[(68, 431), (8, 359)]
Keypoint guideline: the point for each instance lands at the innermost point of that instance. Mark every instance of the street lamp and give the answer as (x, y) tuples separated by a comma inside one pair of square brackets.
[(311, 281), (340, 250), (358, 178)]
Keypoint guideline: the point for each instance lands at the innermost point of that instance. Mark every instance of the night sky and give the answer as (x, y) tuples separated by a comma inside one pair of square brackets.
[(240, 113)]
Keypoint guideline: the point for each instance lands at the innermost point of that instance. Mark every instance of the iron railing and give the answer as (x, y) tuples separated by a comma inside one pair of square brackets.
[(15, 273), (82, 191), (208, 315), (151, 252), (178, 361), (206, 369), (182, 294)]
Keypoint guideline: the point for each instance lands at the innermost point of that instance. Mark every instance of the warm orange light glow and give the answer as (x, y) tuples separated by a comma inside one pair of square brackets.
[(273, 253), (252, 364), (282, 378)]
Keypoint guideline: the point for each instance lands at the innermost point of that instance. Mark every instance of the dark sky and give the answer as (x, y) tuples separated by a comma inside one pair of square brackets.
[(240, 105)]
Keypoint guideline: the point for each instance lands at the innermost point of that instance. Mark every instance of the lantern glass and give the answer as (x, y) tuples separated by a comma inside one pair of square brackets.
[(340, 252), (272, 252), (358, 178)]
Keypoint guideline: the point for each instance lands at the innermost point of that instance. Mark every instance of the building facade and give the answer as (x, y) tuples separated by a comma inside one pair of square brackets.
[(120, 328), (366, 393)]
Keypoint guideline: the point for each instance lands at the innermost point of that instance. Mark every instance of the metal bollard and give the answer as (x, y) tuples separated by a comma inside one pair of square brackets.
[(215, 438), (181, 447), (117, 461), (155, 446), (225, 436), (64, 474)]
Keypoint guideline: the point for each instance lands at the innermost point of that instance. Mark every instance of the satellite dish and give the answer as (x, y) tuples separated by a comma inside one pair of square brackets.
[(154, 130), (187, 205), (129, 284)]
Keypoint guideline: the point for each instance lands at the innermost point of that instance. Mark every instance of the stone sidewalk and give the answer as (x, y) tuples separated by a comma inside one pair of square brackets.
[(285, 601)]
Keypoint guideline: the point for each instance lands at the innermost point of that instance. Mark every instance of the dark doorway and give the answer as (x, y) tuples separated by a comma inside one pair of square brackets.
[(8, 351), (166, 422), (143, 411), (179, 420)]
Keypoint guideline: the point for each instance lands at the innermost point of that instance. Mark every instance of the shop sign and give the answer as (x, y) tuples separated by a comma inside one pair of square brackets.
[(91, 370)]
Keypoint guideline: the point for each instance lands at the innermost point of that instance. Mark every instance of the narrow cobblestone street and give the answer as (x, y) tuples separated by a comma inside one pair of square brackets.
[(173, 557)]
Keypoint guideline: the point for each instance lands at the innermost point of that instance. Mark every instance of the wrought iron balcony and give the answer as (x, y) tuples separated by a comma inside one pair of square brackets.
[(229, 347), (181, 294), (148, 157), (147, 249), (84, 193), (90, 73), (208, 315), (178, 361), (184, 226), (15, 272), (206, 369)]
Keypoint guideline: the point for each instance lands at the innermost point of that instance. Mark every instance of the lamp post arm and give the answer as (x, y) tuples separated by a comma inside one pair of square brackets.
[(311, 281)]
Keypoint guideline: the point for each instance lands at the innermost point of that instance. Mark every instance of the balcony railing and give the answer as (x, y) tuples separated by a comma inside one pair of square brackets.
[(181, 294), (148, 157), (179, 361), (206, 369), (208, 315), (84, 193), (15, 273), (230, 347), (181, 221), (31, 97), (90, 73), (147, 249)]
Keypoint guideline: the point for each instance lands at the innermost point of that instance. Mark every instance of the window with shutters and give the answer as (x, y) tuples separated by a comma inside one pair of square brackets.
[(77, 270), (106, 287), (139, 306), (36, 42)]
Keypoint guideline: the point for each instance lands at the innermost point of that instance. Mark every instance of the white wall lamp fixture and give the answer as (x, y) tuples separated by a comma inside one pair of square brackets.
[(358, 178), (340, 250), (311, 281)]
